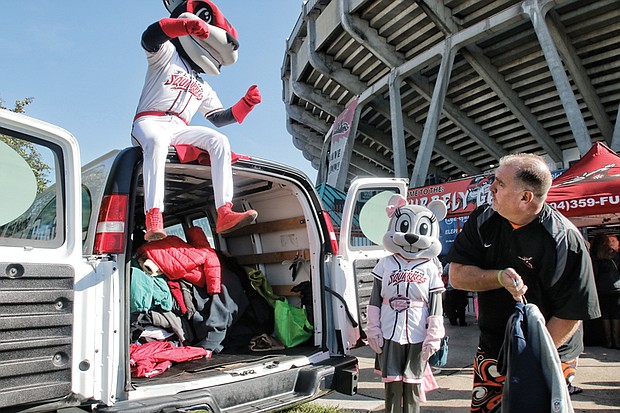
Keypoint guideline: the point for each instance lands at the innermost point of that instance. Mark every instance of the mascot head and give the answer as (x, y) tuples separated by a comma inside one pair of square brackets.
[(210, 54), (413, 231)]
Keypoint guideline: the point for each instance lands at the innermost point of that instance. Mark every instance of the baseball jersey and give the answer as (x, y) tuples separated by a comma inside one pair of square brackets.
[(549, 254), (402, 289), (171, 86)]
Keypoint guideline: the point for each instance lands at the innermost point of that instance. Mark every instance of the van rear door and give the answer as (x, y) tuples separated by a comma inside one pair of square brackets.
[(40, 259), (364, 221)]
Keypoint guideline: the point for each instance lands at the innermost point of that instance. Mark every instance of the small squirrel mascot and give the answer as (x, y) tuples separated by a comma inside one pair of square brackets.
[(195, 39), (405, 320)]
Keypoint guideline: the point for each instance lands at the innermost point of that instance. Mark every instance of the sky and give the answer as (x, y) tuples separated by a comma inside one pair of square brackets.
[(83, 64)]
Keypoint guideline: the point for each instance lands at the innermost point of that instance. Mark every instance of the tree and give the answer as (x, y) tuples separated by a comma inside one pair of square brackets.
[(26, 149)]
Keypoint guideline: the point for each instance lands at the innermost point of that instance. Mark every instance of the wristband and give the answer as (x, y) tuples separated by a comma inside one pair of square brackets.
[(499, 277)]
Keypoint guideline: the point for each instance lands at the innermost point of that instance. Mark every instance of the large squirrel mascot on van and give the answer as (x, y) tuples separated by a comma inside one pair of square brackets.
[(195, 39), (405, 320)]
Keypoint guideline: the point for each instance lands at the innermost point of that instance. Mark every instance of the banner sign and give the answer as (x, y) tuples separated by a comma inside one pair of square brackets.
[(340, 136), (461, 196)]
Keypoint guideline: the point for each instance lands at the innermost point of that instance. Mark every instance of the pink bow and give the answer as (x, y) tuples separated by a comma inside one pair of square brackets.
[(398, 201)]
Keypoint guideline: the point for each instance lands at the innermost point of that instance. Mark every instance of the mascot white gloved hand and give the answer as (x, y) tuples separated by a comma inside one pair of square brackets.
[(373, 328), (413, 236)]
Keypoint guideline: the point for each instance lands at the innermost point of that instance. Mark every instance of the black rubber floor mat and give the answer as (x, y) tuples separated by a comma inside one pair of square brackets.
[(224, 360)]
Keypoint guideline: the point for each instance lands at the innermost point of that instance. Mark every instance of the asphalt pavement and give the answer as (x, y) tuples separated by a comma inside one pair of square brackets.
[(598, 374)]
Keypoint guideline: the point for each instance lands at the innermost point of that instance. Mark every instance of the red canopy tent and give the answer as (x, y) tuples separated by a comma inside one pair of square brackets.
[(588, 193)]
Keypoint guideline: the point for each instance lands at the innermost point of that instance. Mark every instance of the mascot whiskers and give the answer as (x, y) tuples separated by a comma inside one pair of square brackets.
[(405, 321), (195, 39)]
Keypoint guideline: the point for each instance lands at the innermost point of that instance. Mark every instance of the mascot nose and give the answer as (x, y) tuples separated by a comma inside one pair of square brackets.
[(411, 238)]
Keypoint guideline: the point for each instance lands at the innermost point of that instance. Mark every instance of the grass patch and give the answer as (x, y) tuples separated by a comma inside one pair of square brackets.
[(314, 408)]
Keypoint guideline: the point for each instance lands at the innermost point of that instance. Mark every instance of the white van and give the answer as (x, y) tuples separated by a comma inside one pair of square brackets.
[(68, 237)]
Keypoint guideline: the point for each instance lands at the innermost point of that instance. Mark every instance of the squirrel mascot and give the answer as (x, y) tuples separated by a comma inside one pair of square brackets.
[(195, 39), (405, 321)]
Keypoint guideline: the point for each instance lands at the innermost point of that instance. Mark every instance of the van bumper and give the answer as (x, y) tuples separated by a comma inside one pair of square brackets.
[(261, 394)]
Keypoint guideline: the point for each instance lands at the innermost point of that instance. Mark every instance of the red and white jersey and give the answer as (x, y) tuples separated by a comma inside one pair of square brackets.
[(171, 86), (405, 289)]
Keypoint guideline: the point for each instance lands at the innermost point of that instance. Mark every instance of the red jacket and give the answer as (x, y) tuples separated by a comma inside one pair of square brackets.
[(194, 261)]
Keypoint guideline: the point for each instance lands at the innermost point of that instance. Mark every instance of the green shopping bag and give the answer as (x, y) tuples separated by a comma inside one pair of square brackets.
[(291, 325)]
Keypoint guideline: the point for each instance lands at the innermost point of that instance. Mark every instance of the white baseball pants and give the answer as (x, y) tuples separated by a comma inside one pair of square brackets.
[(154, 134)]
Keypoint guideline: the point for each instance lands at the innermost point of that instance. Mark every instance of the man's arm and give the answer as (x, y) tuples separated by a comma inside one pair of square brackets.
[(561, 330), (473, 278)]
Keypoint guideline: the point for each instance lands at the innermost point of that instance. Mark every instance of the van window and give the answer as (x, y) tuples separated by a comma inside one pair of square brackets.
[(176, 230), (87, 206), (32, 210), (206, 227)]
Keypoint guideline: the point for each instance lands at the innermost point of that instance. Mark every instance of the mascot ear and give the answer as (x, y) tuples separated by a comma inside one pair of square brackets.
[(438, 208), (395, 202)]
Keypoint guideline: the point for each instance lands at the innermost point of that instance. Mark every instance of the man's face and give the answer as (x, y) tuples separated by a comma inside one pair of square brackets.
[(614, 243), (507, 192)]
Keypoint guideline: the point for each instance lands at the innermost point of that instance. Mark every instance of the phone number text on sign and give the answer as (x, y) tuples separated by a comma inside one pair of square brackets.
[(586, 202)]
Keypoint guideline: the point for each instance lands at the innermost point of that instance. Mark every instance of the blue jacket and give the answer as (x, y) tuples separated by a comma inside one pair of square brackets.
[(534, 379)]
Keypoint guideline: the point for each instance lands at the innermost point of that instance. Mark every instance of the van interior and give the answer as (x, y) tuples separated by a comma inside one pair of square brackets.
[(274, 258)]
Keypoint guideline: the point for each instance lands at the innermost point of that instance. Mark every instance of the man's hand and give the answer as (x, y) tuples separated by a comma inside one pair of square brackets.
[(512, 282)]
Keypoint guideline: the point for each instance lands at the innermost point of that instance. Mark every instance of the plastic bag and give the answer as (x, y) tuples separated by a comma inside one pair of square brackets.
[(440, 357), (291, 326)]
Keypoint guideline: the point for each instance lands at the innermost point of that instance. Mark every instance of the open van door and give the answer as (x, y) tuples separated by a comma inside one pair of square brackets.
[(40, 261), (364, 221)]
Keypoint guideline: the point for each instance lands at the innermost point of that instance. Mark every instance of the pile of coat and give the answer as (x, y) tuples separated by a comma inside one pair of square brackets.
[(190, 294)]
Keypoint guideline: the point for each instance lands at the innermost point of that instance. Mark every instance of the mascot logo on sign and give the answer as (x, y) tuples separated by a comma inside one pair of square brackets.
[(413, 231), (210, 54)]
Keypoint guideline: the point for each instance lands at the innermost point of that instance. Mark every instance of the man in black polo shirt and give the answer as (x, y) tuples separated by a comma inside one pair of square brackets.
[(521, 246)]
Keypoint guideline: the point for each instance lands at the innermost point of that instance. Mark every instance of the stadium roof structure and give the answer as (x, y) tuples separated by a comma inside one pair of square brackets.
[(447, 87)]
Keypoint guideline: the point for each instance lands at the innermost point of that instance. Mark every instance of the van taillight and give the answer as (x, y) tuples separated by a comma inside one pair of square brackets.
[(110, 233), (332, 234)]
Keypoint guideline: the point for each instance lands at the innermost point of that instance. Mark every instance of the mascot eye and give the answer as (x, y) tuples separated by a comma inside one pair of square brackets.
[(425, 226), (424, 229), (403, 227), (204, 12)]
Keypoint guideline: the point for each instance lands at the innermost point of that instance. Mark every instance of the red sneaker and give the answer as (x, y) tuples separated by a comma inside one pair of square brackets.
[(154, 225), (228, 220)]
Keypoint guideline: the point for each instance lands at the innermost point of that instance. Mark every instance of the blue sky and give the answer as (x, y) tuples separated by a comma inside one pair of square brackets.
[(83, 64)]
